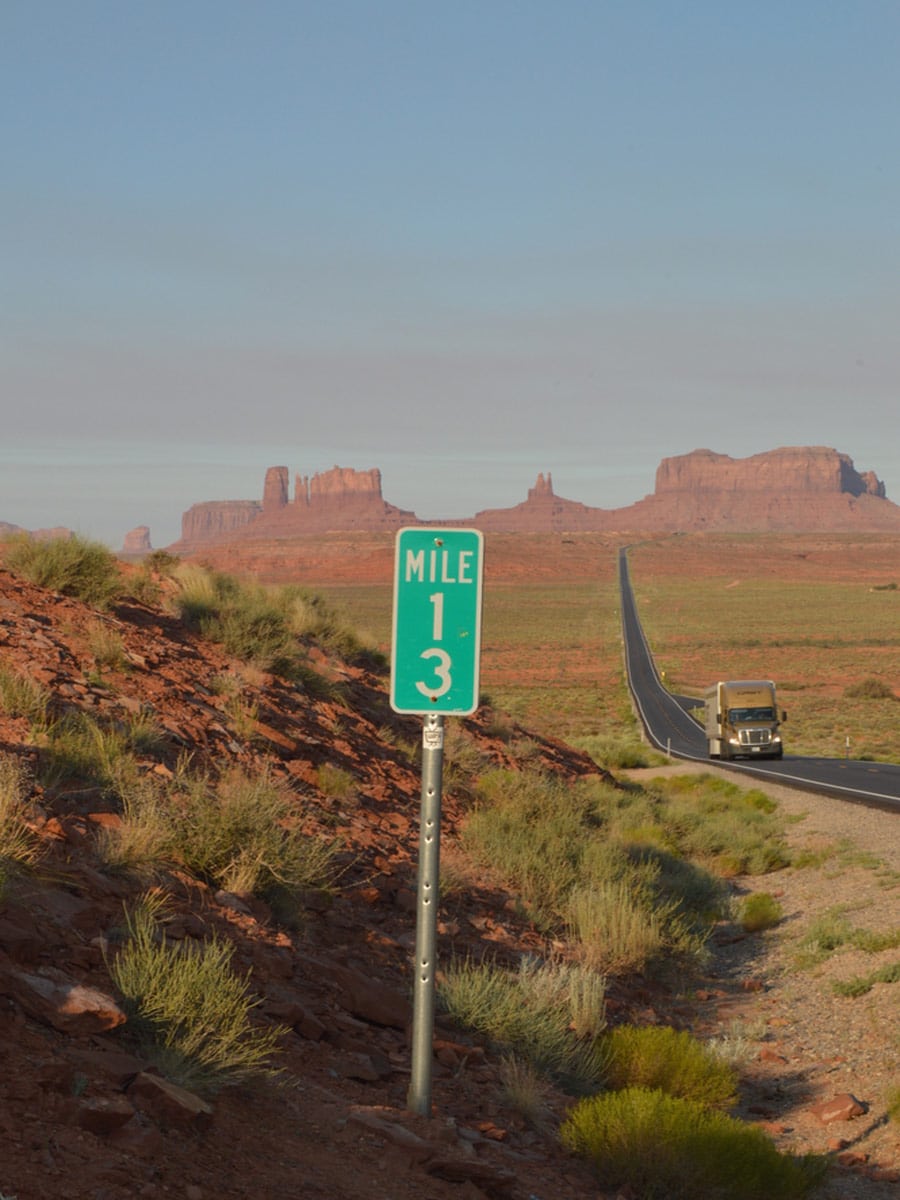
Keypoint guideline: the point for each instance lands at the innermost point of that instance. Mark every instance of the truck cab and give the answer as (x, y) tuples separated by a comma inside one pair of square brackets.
[(742, 720)]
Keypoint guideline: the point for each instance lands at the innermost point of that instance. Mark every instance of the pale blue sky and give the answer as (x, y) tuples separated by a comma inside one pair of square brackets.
[(462, 242)]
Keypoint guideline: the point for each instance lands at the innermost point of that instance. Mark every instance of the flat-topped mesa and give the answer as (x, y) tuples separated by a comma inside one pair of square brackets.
[(806, 469), (214, 520)]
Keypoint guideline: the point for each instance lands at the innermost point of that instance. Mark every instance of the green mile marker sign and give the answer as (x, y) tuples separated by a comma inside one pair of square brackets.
[(436, 645)]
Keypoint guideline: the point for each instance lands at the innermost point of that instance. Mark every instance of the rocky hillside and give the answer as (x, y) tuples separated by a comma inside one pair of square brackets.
[(82, 1113)]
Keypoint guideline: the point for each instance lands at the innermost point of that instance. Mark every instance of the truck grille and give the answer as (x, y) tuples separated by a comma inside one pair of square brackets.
[(755, 737)]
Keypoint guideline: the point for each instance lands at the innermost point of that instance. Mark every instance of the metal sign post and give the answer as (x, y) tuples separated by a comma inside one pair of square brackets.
[(435, 654), (419, 1095)]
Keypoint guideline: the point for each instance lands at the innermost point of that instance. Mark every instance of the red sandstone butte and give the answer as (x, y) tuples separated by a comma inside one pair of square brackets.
[(801, 489)]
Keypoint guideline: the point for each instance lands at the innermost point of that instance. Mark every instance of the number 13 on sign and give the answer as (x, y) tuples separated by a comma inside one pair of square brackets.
[(436, 642)]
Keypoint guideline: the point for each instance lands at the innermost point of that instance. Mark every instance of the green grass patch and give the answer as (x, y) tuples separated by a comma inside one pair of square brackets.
[(861, 984), (833, 931)]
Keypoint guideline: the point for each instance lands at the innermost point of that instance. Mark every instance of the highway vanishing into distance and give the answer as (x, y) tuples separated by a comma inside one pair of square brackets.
[(669, 728)]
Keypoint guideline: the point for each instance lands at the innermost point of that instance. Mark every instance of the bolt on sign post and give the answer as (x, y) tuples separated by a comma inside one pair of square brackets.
[(435, 655)]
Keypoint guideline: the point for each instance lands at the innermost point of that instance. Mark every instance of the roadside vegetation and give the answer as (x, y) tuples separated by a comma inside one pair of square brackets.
[(624, 880)]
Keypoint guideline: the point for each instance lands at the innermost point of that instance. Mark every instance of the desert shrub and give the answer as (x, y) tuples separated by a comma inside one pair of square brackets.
[(871, 688), (72, 566), (188, 1007), (715, 822), (161, 561), (530, 1013), (667, 1147), (263, 626), (659, 1057), (759, 911), (21, 696), (737, 1044), (620, 928), (238, 834), (463, 761)]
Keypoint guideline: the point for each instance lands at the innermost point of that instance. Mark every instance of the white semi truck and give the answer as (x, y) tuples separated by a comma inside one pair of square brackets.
[(742, 719)]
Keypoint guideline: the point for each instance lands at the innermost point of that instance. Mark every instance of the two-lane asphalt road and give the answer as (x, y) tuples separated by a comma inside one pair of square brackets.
[(669, 728)]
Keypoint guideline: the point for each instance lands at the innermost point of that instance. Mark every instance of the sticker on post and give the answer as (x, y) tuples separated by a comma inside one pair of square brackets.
[(432, 737)]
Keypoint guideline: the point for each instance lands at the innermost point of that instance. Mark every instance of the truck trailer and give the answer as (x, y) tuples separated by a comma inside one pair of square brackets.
[(742, 719)]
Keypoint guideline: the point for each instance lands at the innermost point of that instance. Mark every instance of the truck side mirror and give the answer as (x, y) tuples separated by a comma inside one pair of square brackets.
[(783, 715)]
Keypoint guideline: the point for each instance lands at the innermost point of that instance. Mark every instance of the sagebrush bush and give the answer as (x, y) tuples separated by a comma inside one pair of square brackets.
[(659, 1057), (533, 828), (72, 566), (189, 1008), (619, 930), (335, 782), (666, 1148), (524, 1089)]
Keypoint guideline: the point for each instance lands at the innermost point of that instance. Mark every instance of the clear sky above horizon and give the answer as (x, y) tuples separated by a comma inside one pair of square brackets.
[(462, 243)]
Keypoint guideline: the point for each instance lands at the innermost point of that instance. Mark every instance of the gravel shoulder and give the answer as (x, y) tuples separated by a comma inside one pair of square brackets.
[(804, 1043)]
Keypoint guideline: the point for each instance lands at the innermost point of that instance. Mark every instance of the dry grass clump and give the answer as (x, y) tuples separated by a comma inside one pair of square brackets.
[(22, 696), (19, 847), (188, 1007), (546, 1014)]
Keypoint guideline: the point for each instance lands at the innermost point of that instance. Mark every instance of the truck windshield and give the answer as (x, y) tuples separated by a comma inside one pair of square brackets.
[(763, 713)]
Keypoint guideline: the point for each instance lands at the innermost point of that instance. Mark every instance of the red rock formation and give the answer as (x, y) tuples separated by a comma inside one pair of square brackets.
[(275, 490), (137, 541), (341, 499), (792, 489), (790, 469)]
